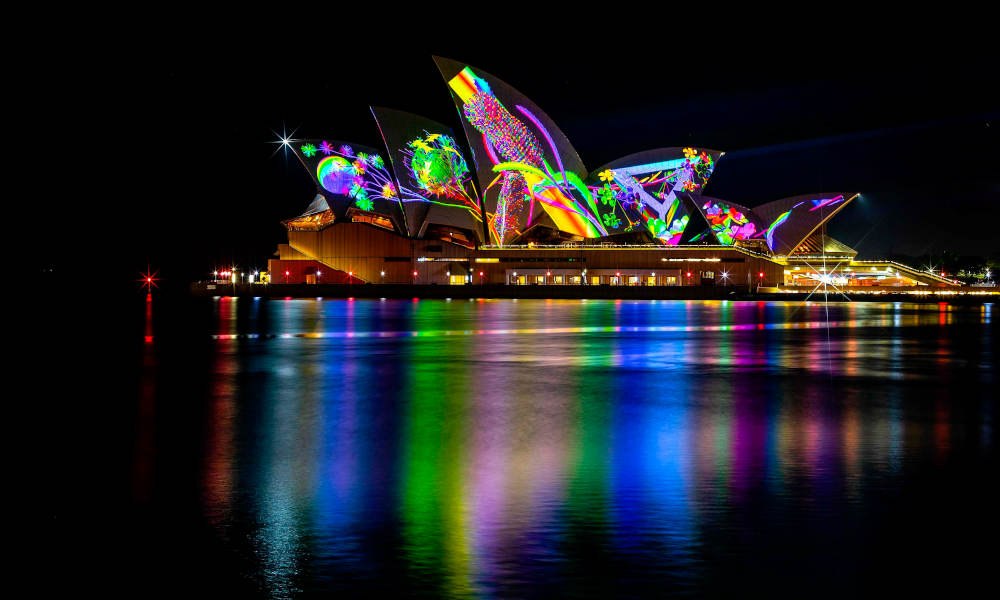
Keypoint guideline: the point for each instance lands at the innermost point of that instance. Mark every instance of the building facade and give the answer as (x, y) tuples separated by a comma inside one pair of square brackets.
[(516, 206)]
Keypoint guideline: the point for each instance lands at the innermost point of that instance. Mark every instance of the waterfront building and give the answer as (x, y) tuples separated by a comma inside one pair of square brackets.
[(516, 206)]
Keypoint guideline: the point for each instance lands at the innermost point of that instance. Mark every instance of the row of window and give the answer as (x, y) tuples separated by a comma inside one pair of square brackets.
[(509, 259), (594, 280)]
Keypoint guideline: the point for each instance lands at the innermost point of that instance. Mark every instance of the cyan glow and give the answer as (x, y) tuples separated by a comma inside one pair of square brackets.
[(666, 165)]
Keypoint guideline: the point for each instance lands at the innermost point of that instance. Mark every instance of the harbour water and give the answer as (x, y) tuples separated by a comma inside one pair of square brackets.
[(531, 448)]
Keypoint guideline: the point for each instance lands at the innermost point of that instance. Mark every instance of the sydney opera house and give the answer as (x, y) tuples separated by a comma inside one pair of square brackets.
[(517, 206)]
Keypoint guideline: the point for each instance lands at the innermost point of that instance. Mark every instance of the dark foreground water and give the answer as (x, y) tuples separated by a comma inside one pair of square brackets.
[(557, 448)]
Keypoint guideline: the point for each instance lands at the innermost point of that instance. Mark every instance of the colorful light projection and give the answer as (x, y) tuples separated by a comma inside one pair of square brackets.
[(350, 177), (813, 205), (335, 175), (513, 167), (641, 191), (729, 222), (439, 168), (435, 182), (793, 219), (438, 173), (823, 203), (344, 173), (769, 232)]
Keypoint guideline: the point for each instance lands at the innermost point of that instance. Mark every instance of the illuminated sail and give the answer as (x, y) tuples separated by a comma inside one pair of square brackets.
[(729, 221), (527, 170), (435, 180), (789, 221), (355, 180), (648, 190)]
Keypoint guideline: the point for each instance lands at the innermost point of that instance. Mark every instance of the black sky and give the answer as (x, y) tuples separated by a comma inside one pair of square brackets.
[(175, 130)]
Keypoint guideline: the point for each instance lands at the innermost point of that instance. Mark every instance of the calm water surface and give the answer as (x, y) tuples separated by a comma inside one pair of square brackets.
[(559, 448)]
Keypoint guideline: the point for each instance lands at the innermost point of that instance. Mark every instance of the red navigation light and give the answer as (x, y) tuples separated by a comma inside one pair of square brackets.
[(148, 280), (761, 274), (286, 273), (350, 273), (480, 273), (689, 273), (414, 273), (547, 273)]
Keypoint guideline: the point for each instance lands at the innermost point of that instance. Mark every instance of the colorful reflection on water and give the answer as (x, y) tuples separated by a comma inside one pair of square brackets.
[(594, 448)]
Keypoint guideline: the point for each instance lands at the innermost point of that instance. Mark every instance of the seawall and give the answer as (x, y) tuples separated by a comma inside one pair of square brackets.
[(555, 292)]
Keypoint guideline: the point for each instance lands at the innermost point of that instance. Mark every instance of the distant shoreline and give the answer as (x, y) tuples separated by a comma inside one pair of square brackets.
[(560, 292)]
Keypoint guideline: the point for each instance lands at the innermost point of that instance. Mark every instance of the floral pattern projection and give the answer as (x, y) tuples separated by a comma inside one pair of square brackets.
[(357, 174), (528, 177), (631, 197), (437, 167), (435, 182), (729, 222)]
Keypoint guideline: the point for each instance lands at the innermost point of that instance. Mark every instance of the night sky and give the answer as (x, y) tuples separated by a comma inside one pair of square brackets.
[(182, 172), (144, 135)]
